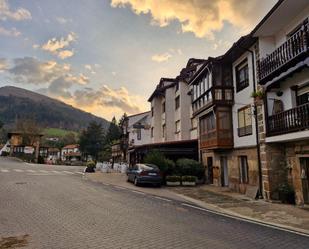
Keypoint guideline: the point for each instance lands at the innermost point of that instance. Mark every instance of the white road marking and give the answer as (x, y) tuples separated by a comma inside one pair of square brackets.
[(18, 170), (162, 199), (57, 172), (137, 192), (30, 170), (43, 171), (68, 172), (77, 172), (120, 187), (4, 171), (261, 223)]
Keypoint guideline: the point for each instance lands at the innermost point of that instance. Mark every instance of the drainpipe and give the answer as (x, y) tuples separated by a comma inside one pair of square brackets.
[(258, 149)]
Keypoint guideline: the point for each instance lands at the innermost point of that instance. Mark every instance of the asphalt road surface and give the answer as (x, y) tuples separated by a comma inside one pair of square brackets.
[(54, 207)]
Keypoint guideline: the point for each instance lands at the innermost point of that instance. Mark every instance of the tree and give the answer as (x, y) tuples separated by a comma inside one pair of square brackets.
[(91, 140), (1, 124), (113, 132), (29, 131)]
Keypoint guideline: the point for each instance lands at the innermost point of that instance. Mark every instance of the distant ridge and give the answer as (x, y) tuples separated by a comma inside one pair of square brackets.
[(17, 103)]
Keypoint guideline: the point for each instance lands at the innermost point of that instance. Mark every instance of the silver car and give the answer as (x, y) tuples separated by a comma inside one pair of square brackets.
[(144, 174)]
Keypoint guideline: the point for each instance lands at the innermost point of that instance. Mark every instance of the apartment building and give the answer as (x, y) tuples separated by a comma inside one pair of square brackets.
[(283, 75), (212, 99)]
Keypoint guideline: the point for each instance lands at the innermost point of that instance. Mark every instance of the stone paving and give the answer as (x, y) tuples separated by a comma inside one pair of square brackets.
[(223, 200), (44, 211)]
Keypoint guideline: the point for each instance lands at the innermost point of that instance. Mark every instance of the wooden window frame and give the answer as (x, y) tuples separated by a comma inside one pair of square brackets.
[(240, 85), (248, 129)]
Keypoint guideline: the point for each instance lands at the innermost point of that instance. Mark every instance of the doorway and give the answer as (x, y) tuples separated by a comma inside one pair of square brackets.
[(224, 172), (304, 175), (210, 170)]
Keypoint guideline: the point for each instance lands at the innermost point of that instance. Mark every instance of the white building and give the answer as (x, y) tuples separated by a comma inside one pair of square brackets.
[(283, 74)]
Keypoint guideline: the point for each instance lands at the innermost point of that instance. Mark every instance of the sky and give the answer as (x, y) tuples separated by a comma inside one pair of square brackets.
[(107, 56)]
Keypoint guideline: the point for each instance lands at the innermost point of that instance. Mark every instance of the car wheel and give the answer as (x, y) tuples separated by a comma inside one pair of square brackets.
[(128, 179), (135, 181)]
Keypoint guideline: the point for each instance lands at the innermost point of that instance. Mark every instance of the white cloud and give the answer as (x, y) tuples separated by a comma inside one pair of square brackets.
[(202, 17), (63, 54), (62, 20), (161, 57), (7, 14), (119, 100), (3, 65), (89, 68), (9, 32), (35, 46), (57, 46)]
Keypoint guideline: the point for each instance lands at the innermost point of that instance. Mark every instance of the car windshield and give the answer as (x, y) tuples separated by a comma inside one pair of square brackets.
[(149, 167)]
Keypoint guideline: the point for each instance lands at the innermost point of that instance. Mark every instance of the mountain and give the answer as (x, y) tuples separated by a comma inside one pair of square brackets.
[(20, 103)]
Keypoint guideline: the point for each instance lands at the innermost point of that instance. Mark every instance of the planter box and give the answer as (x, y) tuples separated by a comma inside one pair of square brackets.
[(173, 183), (188, 183)]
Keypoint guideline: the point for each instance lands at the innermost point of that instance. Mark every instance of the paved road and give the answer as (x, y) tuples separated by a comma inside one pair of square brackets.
[(62, 210)]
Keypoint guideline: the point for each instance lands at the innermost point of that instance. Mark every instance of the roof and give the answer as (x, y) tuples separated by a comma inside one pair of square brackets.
[(131, 116), (71, 146), (160, 88), (273, 9)]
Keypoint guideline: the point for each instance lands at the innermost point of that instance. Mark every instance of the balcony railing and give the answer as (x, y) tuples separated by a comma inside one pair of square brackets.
[(296, 119), (217, 139), (287, 53)]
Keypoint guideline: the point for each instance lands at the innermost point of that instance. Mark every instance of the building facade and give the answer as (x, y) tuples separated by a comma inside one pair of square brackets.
[(283, 75)]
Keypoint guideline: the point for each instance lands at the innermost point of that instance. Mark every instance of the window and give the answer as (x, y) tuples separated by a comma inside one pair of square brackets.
[(193, 123), (177, 126), (243, 169), (207, 127), (177, 87), (163, 130), (242, 76), (177, 102), (163, 107), (139, 134), (151, 111), (303, 95), (244, 121), (151, 131)]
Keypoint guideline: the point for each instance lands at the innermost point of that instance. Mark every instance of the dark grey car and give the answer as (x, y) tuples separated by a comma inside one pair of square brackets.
[(144, 173)]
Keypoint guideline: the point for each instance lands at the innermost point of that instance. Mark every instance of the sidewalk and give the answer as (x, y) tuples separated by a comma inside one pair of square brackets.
[(221, 200)]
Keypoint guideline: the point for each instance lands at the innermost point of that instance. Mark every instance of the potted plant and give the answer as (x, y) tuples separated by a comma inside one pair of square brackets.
[(90, 167), (286, 193), (258, 96), (188, 180), (173, 180)]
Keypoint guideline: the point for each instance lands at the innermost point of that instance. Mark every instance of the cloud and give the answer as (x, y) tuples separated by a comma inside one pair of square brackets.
[(17, 15), (3, 65), (161, 57), (119, 99), (202, 17), (62, 20), (89, 68), (57, 46), (9, 32), (65, 54)]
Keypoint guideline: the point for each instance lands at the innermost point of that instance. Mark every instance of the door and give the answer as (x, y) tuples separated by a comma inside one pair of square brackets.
[(224, 172), (304, 174), (210, 170)]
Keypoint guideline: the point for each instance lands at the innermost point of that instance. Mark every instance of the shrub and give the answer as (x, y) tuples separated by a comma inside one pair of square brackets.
[(188, 178), (90, 164), (157, 158), (173, 178), (5, 153), (190, 167)]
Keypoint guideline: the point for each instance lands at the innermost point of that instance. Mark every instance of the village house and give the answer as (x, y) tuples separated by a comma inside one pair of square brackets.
[(283, 117), (71, 152)]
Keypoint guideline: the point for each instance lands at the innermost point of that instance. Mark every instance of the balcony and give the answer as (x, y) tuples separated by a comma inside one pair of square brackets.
[(222, 139), (215, 95), (292, 120), (294, 50)]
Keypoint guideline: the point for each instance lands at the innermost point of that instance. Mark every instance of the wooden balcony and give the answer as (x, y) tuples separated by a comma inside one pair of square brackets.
[(292, 120), (294, 50), (217, 95), (222, 139)]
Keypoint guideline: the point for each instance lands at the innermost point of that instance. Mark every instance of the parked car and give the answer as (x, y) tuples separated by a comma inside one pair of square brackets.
[(144, 174)]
